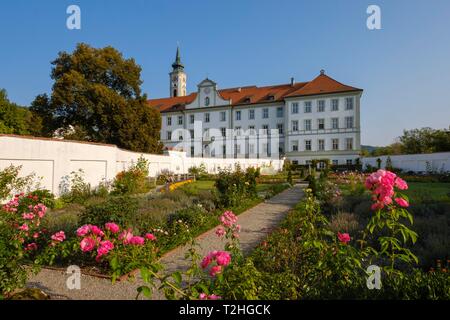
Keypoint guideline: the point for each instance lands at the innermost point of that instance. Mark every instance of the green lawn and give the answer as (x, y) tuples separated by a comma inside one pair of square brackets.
[(428, 192), (209, 185)]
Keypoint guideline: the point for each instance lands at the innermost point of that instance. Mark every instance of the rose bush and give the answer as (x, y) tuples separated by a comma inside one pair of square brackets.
[(23, 241)]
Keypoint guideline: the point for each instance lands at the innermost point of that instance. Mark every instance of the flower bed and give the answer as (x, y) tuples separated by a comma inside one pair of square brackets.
[(176, 185)]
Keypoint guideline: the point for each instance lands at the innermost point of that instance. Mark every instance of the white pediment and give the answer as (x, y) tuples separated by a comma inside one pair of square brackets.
[(207, 96)]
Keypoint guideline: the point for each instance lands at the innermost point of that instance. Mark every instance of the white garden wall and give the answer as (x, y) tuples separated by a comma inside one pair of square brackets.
[(435, 162), (52, 160)]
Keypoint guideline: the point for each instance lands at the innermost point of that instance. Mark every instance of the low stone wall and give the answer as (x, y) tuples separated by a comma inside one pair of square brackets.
[(52, 160)]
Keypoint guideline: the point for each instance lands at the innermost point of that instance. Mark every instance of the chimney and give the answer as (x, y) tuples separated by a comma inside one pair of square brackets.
[(292, 81)]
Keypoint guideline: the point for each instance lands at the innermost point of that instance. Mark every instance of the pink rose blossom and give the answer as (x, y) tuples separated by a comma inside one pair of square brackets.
[(223, 258), (97, 231), (206, 262), (112, 227), (83, 230), (220, 231), (150, 236), (215, 270), (126, 236), (136, 240), (344, 237), (103, 249), (24, 227), (402, 202), (214, 297), (28, 216), (87, 244), (59, 236), (31, 246)]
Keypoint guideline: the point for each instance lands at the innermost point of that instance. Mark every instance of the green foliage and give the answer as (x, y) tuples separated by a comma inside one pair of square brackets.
[(199, 172), (74, 189), (12, 271), (17, 120), (97, 93), (234, 186), (134, 180), (11, 182), (424, 140), (117, 209)]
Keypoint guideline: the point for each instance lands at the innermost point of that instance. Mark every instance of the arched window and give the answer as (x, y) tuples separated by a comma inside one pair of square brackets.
[(175, 93), (207, 101)]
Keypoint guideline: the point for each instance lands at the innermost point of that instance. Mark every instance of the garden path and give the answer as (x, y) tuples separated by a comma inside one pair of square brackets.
[(256, 224)]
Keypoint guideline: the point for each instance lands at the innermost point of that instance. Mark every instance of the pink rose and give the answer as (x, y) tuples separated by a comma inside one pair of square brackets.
[(24, 227), (220, 231), (97, 231), (150, 236), (59, 236), (344, 237), (103, 249), (112, 227), (215, 270), (402, 202), (87, 244), (223, 258), (83, 230), (28, 216), (136, 240), (31, 246), (214, 297), (126, 236), (203, 296), (401, 184), (206, 262)]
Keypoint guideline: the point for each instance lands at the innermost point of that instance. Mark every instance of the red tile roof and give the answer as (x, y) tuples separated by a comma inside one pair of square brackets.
[(322, 84)]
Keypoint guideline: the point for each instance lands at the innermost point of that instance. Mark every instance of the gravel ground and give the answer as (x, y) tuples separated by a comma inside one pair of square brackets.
[(256, 223)]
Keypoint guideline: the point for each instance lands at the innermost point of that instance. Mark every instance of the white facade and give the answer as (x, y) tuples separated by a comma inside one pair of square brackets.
[(302, 128)]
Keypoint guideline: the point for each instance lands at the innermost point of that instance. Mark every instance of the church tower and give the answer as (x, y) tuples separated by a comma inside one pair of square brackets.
[(177, 77)]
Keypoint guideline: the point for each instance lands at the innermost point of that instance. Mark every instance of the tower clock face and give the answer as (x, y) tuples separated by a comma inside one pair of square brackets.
[(207, 90)]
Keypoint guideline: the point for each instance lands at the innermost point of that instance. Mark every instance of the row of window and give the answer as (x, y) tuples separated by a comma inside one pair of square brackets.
[(251, 150), (320, 124), (321, 145), (322, 164), (321, 105), (265, 111), (280, 127)]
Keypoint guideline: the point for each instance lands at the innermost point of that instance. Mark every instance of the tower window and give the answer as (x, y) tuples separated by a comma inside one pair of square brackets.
[(175, 92), (207, 101)]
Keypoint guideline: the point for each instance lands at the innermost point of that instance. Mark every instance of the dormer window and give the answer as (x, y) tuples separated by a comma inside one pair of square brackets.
[(207, 101), (270, 97)]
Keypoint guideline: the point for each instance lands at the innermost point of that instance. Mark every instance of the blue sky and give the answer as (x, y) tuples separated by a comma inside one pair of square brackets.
[(404, 68)]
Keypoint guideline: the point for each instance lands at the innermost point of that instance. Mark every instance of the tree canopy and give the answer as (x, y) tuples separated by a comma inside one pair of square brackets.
[(15, 119), (96, 96), (424, 140)]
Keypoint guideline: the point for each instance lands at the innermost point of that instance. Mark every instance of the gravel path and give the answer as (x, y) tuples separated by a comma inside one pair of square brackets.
[(256, 223)]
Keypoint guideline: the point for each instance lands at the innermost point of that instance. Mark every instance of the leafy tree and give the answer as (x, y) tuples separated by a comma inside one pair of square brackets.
[(96, 96), (15, 119), (425, 140)]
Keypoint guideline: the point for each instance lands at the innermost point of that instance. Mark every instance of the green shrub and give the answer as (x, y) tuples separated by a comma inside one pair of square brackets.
[(42, 196), (233, 186), (117, 209), (74, 189), (12, 272), (11, 182), (133, 180)]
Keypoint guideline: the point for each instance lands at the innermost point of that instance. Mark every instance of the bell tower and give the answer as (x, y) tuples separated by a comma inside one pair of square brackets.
[(177, 77)]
